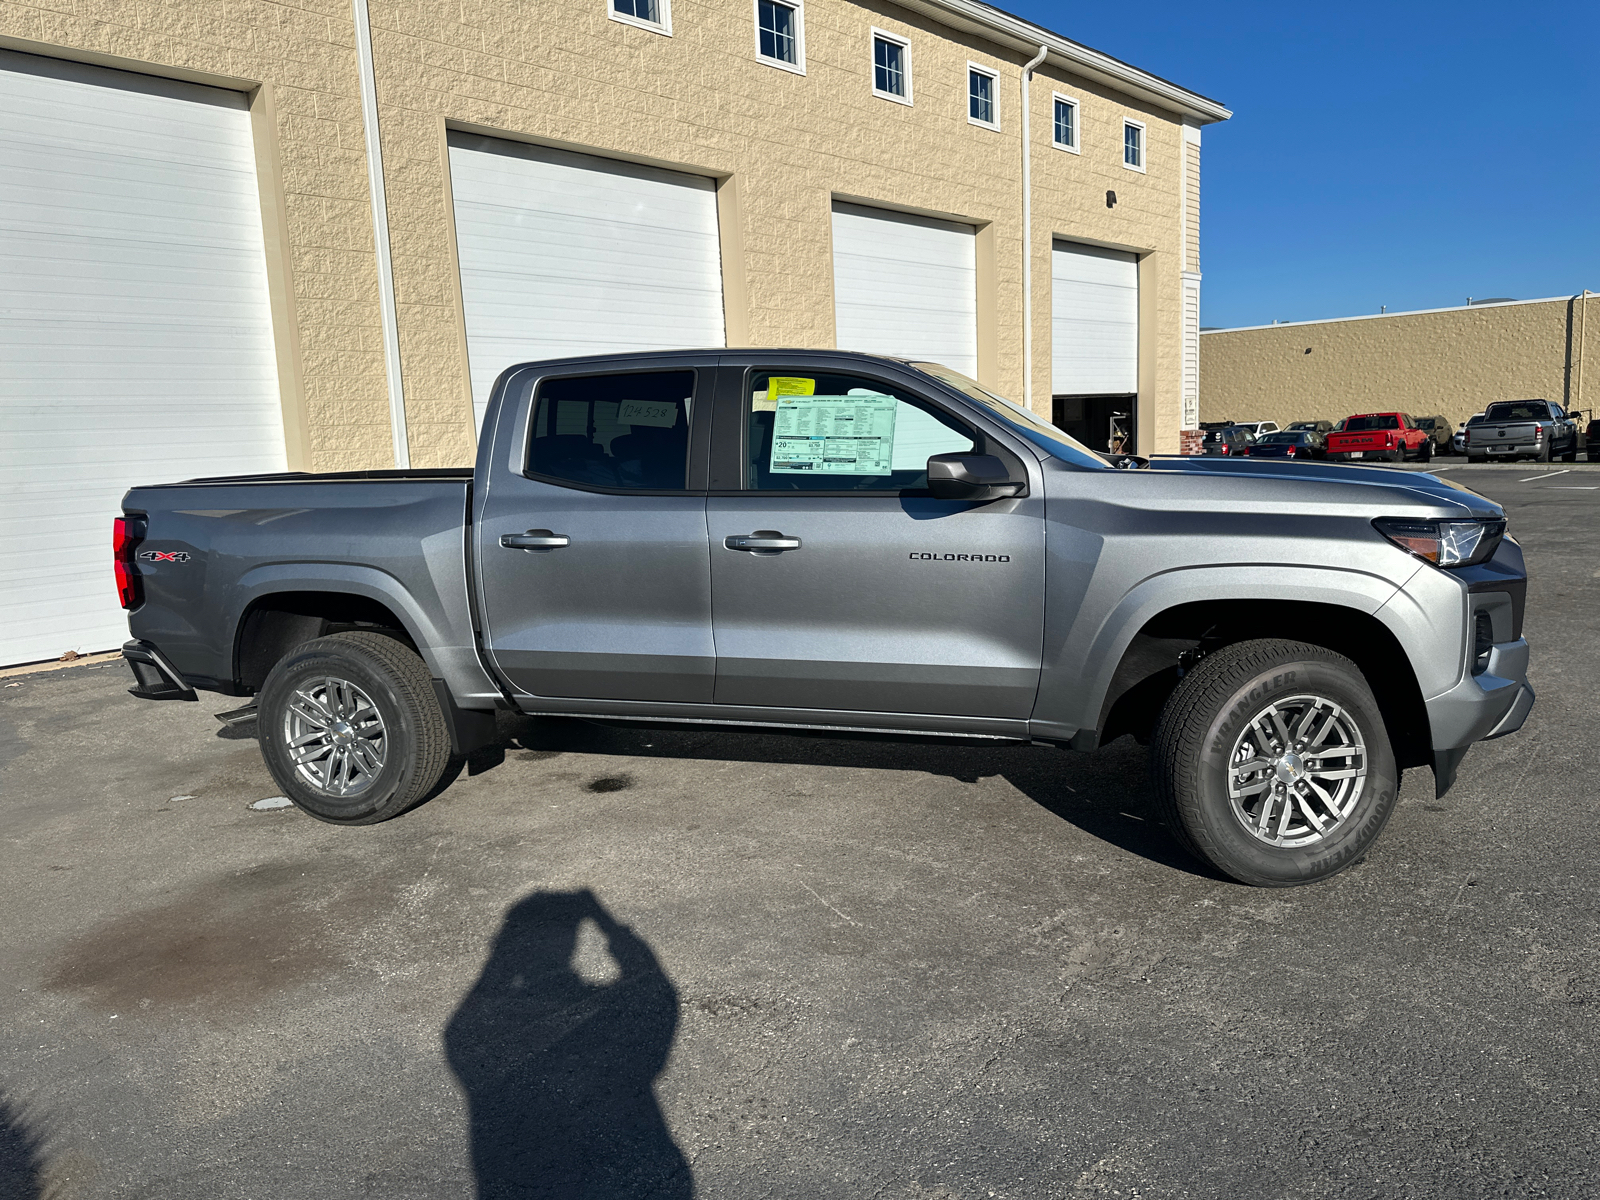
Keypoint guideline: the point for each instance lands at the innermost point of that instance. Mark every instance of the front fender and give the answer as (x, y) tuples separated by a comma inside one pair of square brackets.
[(1078, 670)]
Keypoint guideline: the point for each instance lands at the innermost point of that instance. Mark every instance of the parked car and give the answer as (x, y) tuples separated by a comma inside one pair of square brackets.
[(1257, 428), (1438, 429), (1310, 426), (1536, 429), (854, 544), (1232, 440), (1458, 440), (1392, 436), (1591, 441), (1290, 443)]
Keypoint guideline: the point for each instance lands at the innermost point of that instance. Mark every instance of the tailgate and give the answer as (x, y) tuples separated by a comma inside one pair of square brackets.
[(1367, 439)]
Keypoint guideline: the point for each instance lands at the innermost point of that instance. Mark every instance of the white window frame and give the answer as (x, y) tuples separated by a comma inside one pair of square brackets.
[(1077, 123), (798, 66), (905, 66), (663, 26), (1144, 144), (994, 99)]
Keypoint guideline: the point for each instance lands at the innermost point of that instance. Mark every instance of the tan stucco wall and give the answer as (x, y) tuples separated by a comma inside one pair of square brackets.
[(1452, 363), (560, 72)]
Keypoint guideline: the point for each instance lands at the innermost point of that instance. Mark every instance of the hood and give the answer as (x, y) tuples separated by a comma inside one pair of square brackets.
[(1425, 489)]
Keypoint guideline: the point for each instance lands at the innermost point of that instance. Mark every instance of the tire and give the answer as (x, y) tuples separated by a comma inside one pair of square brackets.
[(384, 760), (1427, 451), (1544, 453), (1210, 720), (1570, 455)]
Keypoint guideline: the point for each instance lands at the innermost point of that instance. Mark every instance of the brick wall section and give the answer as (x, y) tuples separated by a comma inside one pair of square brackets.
[(560, 71), (1450, 363)]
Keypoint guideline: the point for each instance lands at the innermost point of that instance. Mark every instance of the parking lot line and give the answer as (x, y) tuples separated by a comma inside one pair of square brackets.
[(1545, 475), (1572, 487)]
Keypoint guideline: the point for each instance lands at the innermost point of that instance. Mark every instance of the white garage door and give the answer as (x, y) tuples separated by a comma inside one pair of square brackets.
[(565, 254), (1094, 321), (905, 286), (135, 332)]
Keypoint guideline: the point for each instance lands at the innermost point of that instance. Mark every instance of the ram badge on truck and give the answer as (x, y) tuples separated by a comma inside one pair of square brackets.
[(778, 539)]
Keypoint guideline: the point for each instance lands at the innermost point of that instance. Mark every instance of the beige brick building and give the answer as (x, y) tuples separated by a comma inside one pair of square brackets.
[(244, 235), (1449, 362)]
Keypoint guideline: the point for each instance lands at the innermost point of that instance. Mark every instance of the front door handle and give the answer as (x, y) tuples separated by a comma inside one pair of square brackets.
[(534, 539), (762, 541)]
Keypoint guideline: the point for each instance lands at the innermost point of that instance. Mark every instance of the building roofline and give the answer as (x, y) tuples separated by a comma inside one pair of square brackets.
[(1415, 312), (976, 17)]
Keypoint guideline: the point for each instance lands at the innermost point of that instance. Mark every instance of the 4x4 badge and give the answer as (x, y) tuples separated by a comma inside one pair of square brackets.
[(164, 555)]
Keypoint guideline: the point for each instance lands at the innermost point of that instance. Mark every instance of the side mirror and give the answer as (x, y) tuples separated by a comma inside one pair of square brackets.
[(971, 477)]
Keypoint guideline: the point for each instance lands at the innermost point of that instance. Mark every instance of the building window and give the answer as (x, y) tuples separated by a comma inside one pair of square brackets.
[(779, 38), (1133, 145), (891, 67), (981, 108), (654, 15), (1064, 130)]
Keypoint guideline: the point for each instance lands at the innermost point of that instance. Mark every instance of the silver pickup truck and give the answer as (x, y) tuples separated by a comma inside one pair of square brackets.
[(1513, 429), (800, 540)]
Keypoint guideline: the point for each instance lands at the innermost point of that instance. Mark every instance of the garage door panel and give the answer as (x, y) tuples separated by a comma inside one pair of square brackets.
[(565, 254), (1094, 321), (135, 332), (905, 285)]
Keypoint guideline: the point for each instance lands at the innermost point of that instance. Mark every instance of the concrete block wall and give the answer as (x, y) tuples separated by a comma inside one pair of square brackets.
[(1450, 362)]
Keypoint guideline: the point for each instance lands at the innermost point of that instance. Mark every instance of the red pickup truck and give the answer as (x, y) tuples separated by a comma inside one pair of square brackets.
[(1380, 436)]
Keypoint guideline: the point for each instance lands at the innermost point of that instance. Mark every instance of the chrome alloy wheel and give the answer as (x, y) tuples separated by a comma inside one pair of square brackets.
[(335, 735), (1297, 771)]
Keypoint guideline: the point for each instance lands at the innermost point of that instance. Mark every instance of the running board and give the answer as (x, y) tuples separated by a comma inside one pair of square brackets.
[(238, 716)]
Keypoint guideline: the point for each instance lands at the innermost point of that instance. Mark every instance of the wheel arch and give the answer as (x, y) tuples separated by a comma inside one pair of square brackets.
[(274, 623), (1154, 658)]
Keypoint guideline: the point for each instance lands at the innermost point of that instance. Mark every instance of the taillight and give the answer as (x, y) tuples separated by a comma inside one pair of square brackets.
[(1538, 433), (1226, 448), (126, 534), (1291, 451)]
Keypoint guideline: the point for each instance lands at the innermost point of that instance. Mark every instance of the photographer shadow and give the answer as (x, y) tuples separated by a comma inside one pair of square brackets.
[(559, 1067)]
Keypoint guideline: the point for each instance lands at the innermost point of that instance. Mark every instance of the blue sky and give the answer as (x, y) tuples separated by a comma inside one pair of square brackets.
[(1402, 154)]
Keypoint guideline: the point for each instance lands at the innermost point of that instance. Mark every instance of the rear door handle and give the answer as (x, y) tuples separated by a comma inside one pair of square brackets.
[(762, 541), (534, 539)]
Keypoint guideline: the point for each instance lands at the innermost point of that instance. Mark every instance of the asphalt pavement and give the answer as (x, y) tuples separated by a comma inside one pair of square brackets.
[(626, 964)]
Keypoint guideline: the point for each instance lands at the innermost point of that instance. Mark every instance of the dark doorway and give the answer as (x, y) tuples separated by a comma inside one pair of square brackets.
[(1105, 423)]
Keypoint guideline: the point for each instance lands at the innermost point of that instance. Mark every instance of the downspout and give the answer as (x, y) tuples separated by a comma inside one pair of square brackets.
[(380, 236), (1027, 235)]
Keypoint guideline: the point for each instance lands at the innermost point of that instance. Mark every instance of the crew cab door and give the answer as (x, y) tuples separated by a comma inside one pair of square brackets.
[(838, 582), (591, 553)]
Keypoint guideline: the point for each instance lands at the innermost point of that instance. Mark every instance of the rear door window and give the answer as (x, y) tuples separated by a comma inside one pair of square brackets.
[(625, 432)]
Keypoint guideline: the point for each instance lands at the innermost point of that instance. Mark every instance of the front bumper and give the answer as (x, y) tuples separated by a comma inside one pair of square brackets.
[(1478, 708)]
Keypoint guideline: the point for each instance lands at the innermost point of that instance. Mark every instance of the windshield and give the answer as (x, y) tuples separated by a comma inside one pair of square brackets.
[(1424, 422), (1040, 432), (1518, 410), (1380, 421)]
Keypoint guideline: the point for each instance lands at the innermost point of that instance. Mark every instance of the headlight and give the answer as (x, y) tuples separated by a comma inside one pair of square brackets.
[(1445, 543)]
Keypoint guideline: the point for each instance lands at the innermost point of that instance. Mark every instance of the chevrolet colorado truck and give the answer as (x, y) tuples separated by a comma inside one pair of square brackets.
[(823, 541), (1515, 429)]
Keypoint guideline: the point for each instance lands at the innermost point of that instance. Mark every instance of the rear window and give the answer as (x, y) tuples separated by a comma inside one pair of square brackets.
[(1287, 436), (1363, 424), (1518, 410)]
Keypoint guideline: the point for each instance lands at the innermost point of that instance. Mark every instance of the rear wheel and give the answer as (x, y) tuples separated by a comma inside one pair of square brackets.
[(1427, 451), (1544, 454), (350, 728), (1272, 763)]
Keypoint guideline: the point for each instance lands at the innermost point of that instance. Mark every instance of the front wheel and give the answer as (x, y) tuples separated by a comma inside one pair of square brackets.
[(351, 730), (1272, 762), (1427, 451)]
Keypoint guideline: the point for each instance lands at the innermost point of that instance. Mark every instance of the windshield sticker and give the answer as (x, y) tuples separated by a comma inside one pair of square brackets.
[(834, 435), (661, 414)]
